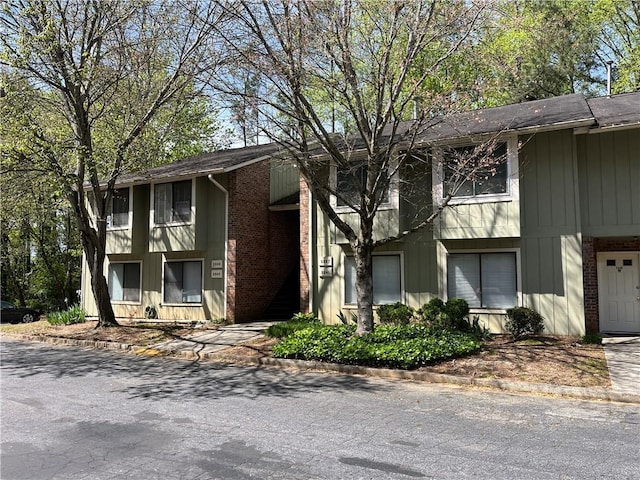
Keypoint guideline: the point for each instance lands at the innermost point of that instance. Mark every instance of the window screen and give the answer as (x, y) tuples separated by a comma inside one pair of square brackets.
[(466, 176), (350, 183)]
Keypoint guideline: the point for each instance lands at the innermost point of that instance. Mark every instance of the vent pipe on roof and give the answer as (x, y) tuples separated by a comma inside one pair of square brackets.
[(609, 64)]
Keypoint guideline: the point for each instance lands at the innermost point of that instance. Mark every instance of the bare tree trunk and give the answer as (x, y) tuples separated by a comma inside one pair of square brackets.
[(95, 256), (364, 290), (363, 257)]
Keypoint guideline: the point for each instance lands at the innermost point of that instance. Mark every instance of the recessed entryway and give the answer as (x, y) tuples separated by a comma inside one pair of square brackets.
[(619, 291)]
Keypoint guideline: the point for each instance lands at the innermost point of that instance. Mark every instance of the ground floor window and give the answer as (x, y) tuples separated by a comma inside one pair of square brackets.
[(124, 282), (484, 280), (183, 282), (387, 284)]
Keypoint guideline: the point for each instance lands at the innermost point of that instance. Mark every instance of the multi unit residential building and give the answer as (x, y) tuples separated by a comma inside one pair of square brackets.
[(233, 233)]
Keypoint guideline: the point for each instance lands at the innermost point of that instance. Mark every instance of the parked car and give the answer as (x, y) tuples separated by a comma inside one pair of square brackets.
[(9, 313)]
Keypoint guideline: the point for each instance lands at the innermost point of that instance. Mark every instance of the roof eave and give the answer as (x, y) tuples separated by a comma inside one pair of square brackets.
[(614, 128)]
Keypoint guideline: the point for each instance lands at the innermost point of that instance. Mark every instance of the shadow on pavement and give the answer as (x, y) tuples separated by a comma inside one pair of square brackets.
[(161, 378)]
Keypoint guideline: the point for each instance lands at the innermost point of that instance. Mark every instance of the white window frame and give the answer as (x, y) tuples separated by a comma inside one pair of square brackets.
[(183, 260), (513, 183), (343, 266), (125, 302), (391, 204), (152, 215), (445, 276)]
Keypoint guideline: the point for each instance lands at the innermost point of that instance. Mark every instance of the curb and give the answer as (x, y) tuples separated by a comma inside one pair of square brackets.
[(581, 393)]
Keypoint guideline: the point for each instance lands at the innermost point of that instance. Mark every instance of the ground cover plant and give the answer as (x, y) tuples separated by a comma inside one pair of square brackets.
[(390, 346)]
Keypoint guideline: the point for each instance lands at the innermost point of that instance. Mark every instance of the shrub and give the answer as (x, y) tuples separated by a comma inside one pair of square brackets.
[(591, 338), (431, 311), (452, 315), (479, 331), (343, 318), (457, 311), (305, 317), (75, 314), (392, 346), (298, 321), (522, 321), (150, 312), (395, 314)]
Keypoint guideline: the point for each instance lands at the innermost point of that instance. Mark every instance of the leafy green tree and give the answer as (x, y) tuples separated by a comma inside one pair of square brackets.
[(354, 68), (619, 40), (89, 81), (41, 251), (531, 49)]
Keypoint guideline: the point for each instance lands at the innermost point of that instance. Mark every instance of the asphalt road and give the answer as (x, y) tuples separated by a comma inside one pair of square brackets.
[(69, 413)]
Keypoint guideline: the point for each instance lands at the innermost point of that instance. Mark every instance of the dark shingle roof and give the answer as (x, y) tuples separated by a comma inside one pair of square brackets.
[(567, 111), (616, 110), (204, 164)]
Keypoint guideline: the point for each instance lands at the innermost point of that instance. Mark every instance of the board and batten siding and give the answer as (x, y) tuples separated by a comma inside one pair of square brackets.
[(551, 241), (284, 180), (482, 220), (211, 228), (419, 268), (609, 173)]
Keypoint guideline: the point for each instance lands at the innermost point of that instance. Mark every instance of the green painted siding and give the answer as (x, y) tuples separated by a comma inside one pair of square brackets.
[(419, 266), (119, 241), (484, 220), (484, 216), (173, 243), (548, 184), (386, 224), (609, 166), (284, 180), (541, 222), (551, 255), (135, 238), (552, 282)]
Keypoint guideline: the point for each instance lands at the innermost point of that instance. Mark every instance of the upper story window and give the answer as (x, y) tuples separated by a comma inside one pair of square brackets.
[(350, 182), (470, 172), (172, 202), (120, 203), (476, 173)]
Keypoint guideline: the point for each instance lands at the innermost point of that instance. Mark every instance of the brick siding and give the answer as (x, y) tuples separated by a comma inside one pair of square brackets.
[(263, 245), (305, 260)]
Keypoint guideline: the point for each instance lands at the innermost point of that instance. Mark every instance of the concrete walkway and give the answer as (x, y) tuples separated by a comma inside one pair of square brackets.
[(623, 361), (210, 341)]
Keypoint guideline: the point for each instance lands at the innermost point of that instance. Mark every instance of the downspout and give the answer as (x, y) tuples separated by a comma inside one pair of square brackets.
[(226, 237), (312, 241)]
